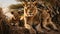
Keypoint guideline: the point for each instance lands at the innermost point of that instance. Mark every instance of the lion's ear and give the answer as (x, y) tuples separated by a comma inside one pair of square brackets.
[(24, 3), (35, 3)]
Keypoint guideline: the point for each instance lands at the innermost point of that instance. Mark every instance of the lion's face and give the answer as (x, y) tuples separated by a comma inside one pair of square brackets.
[(30, 9)]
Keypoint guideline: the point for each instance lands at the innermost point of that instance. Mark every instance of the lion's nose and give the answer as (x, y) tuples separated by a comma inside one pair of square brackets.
[(30, 11)]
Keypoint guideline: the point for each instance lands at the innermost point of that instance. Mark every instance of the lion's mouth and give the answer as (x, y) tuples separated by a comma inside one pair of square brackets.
[(30, 15)]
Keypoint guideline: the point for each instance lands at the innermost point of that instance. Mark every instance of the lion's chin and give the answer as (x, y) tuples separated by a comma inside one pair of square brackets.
[(30, 15)]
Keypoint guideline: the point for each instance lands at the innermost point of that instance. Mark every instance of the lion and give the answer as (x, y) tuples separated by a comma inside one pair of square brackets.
[(47, 20), (31, 16)]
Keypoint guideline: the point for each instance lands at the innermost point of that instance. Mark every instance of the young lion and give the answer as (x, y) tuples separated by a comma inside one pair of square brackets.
[(31, 16), (47, 19)]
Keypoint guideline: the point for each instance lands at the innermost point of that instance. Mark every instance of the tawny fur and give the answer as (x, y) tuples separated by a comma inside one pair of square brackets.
[(30, 16), (47, 19)]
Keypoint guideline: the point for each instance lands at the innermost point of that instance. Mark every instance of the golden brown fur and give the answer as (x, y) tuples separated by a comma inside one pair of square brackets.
[(31, 16), (47, 19)]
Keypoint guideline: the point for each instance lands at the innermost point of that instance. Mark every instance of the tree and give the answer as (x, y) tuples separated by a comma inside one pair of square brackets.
[(15, 6)]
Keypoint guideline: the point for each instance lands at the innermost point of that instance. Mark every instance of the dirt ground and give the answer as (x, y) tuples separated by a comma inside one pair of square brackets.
[(53, 31), (23, 30)]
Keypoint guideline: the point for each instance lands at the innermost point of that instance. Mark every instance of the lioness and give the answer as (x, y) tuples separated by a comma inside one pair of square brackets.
[(31, 16)]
